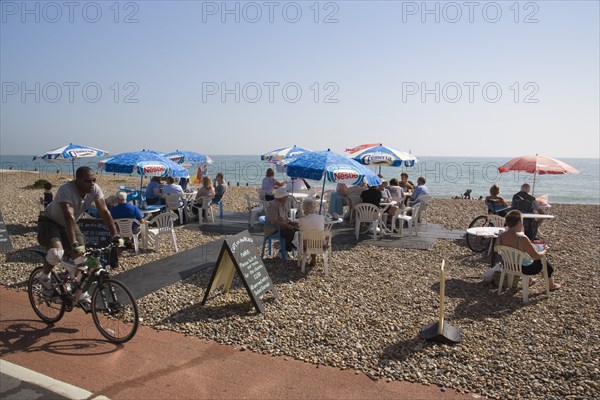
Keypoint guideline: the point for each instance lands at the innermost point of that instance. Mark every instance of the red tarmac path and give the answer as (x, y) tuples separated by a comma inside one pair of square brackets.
[(165, 365)]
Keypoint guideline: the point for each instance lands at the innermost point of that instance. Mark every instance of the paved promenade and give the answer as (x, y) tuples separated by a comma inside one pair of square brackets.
[(159, 365)]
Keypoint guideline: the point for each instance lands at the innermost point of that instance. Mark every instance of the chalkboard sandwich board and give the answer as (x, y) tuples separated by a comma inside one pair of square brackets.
[(239, 254), (5, 242), (98, 236)]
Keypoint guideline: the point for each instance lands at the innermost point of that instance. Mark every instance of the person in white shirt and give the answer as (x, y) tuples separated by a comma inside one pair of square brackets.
[(295, 184), (311, 221)]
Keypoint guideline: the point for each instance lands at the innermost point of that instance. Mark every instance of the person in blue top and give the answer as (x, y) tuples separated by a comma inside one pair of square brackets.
[(420, 190), (153, 191), (123, 209), (514, 237)]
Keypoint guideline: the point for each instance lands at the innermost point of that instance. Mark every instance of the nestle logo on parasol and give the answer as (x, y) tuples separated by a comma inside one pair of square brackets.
[(452, 12), (53, 12), (271, 92), (149, 169), (471, 92), (71, 92), (252, 12), (340, 176)]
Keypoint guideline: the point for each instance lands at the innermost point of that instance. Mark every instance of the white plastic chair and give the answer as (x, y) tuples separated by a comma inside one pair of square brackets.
[(401, 217), (255, 209), (423, 202), (315, 242), (366, 212), (496, 220), (159, 225), (125, 229), (207, 207), (512, 261), (355, 200), (188, 202), (175, 202)]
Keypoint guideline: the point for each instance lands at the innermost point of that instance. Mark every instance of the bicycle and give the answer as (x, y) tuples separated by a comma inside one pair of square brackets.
[(479, 244), (113, 307)]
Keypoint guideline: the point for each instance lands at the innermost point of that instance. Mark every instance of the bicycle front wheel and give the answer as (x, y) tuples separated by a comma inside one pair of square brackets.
[(115, 311), (478, 244), (50, 309)]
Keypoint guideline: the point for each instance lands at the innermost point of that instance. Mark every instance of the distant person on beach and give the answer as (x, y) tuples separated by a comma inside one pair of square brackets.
[(207, 190), (405, 184), (467, 194), (153, 191), (123, 209), (58, 230), (420, 190), (513, 237), (47, 197), (495, 202), (270, 184), (276, 216)]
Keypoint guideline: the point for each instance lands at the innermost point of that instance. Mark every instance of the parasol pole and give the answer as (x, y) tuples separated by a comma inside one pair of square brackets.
[(534, 174), (322, 192), (73, 166)]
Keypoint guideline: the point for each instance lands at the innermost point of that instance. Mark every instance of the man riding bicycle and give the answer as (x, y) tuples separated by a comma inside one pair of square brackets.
[(57, 228)]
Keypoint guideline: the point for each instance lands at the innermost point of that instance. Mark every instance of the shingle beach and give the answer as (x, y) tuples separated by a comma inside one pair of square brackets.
[(367, 314)]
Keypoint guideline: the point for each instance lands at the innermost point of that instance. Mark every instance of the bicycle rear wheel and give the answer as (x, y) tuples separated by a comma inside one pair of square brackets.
[(115, 311), (478, 244), (49, 310)]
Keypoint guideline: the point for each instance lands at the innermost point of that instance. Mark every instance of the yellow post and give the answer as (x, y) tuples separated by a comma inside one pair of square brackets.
[(442, 296)]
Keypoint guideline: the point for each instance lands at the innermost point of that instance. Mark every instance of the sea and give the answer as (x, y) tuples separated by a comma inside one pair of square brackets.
[(446, 177)]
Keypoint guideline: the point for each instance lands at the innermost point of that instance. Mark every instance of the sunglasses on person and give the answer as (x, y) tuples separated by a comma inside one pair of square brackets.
[(90, 180)]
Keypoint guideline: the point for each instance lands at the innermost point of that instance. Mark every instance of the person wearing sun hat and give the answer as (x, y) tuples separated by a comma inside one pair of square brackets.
[(277, 216)]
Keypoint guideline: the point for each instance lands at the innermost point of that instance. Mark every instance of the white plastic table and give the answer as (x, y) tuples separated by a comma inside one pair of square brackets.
[(330, 222), (538, 216), (487, 232)]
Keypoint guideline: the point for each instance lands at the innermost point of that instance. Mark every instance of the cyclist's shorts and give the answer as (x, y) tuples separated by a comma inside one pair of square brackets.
[(49, 232)]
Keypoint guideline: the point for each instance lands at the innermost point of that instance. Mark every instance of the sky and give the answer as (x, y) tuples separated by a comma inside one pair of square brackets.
[(435, 78)]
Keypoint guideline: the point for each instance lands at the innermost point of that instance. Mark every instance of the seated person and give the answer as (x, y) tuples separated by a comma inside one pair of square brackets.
[(495, 202), (205, 190), (527, 204), (386, 195), (420, 190), (405, 184), (220, 187), (269, 184), (358, 189), (373, 196), (123, 209), (342, 192), (467, 194), (172, 188), (277, 217), (513, 237), (184, 182), (295, 184), (153, 191), (311, 221), (111, 201), (395, 190)]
